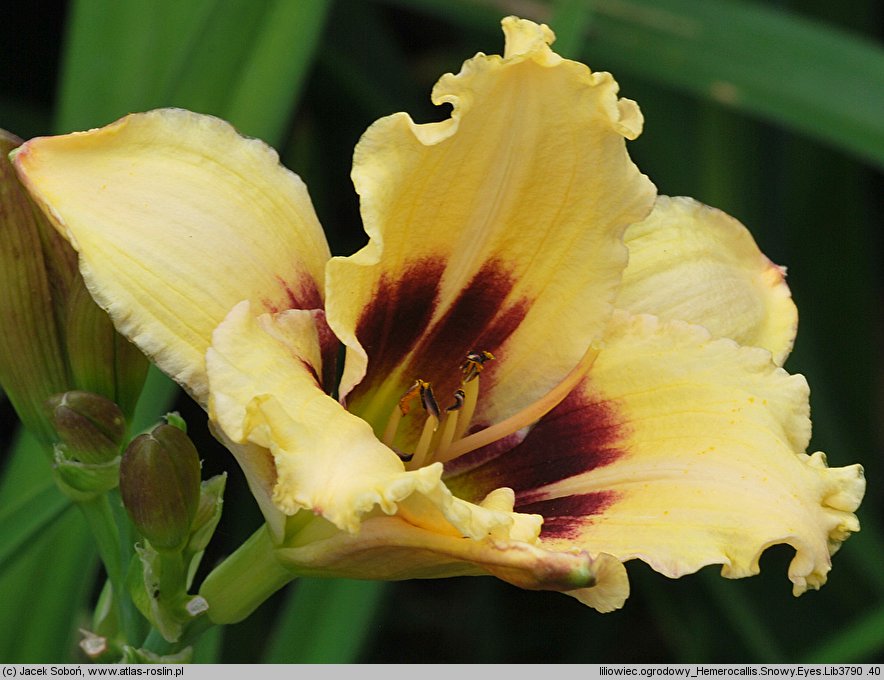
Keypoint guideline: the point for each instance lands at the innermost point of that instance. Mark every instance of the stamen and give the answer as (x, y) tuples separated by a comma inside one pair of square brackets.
[(465, 415), (405, 400), (392, 426), (428, 401), (530, 414), (402, 409), (458, 401), (449, 427), (449, 422), (474, 363), (455, 420), (423, 444)]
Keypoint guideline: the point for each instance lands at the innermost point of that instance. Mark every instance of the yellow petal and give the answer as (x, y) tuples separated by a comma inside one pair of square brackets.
[(259, 469), (498, 229), (393, 549), (264, 391), (695, 263), (176, 219), (683, 451), (377, 520), (611, 588)]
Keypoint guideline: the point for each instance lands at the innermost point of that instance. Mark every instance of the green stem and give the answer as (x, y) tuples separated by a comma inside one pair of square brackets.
[(157, 644), (246, 579), (100, 518), (172, 577)]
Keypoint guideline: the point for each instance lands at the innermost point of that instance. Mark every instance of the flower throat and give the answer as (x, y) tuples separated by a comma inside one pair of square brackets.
[(443, 437)]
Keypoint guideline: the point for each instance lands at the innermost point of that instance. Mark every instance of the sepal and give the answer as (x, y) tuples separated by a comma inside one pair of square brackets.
[(208, 514), (83, 481)]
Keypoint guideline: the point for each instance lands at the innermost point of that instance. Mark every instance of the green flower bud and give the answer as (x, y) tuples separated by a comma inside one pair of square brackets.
[(90, 427), (101, 360), (54, 336), (160, 486), (36, 268)]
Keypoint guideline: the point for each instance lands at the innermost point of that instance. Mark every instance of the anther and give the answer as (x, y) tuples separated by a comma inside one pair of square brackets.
[(474, 363), (428, 400), (528, 415), (419, 389), (402, 408), (458, 401), (442, 429), (472, 366), (416, 389)]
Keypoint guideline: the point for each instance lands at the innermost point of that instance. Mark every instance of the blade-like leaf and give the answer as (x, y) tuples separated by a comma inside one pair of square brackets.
[(278, 64), (29, 517), (49, 576), (325, 621), (785, 68)]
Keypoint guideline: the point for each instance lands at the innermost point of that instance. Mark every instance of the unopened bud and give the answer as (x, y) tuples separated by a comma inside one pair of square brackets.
[(160, 485), (35, 269), (90, 427), (101, 360)]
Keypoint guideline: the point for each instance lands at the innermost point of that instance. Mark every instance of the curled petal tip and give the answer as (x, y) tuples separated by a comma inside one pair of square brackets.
[(524, 37)]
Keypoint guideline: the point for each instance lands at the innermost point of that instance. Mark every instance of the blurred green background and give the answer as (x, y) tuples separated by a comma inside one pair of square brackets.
[(773, 112)]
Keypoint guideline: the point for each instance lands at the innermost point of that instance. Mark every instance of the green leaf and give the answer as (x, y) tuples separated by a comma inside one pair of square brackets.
[(859, 641), (325, 621), (744, 618), (118, 55), (26, 519), (782, 67), (51, 573), (207, 649), (277, 66), (45, 595), (570, 20)]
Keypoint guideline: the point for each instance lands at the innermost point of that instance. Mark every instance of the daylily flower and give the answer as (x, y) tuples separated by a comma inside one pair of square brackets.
[(548, 371)]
